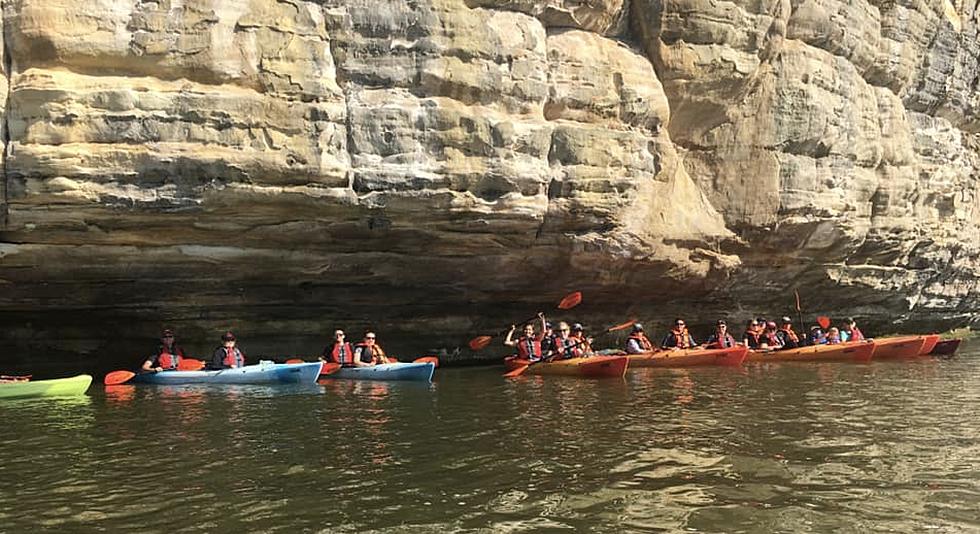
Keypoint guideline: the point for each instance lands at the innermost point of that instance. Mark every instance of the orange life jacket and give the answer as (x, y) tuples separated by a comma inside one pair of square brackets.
[(233, 357), (790, 334), (681, 338), (169, 358), (568, 348), (529, 348), (723, 342), (642, 341)]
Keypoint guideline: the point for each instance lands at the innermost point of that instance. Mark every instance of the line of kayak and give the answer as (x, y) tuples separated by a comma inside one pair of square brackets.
[(593, 367), (860, 351)]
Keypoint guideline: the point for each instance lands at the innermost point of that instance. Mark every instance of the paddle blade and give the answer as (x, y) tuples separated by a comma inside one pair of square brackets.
[(295, 360), (190, 364), (117, 377), (428, 359), (516, 372), (329, 368), (823, 321), (570, 301), (622, 326), (479, 343)]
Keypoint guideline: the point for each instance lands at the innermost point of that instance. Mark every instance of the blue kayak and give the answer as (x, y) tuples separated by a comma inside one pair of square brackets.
[(264, 373), (421, 372)]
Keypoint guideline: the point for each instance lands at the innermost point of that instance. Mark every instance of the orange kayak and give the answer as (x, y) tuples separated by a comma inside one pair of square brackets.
[(898, 347), (930, 344), (594, 367), (857, 352), (733, 356)]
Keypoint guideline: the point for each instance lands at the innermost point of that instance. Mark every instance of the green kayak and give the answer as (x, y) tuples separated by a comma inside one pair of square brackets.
[(60, 387)]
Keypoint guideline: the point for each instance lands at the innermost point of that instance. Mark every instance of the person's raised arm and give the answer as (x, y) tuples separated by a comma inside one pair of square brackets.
[(510, 336)]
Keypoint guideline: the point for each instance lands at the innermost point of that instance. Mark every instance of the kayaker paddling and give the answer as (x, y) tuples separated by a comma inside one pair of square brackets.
[(566, 346), (833, 336), (529, 346), (168, 354), (787, 336), (368, 352), (854, 333), (638, 343), (578, 333), (227, 356)]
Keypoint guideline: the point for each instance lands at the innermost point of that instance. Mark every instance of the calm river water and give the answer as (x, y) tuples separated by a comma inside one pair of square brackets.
[(885, 447)]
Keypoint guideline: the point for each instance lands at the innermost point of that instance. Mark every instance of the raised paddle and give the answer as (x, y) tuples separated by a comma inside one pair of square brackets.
[(799, 310), (823, 321), (622, 326), (570, 301)]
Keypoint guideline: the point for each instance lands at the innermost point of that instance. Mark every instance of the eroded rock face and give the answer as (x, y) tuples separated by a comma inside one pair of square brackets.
[(285, 166)]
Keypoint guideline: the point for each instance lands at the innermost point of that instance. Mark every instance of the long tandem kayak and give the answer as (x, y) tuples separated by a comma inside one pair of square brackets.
[(592, 367), (262, 373), (730, 357), (421, 372), (852, 352), (59, 387)]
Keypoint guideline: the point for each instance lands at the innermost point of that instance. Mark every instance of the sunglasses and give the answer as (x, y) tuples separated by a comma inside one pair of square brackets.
[(564, 330), (167, 337), (369, 337)]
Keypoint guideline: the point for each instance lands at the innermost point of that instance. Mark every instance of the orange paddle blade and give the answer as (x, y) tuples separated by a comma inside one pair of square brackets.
[(190, 364), (295, 360), (823, 321), (480, 342), (516, 372), (117, 377), (329, 368), (570, 301), (428, 359), (622, 326)]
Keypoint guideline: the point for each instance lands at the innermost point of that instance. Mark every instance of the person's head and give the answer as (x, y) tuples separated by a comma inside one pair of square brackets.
[(637, 328), (167, 336), (339, 336), (752, 324), (528, 329), (369, 337), (228, 339), (679, 323), (548, 327), (786, 321), (850, 322), (563, 329), (577, 328), (833, 332), (771, 326), (721, 325)]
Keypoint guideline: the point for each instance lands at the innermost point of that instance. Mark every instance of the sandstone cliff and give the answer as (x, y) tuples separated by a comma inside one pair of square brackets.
[(434, 167)]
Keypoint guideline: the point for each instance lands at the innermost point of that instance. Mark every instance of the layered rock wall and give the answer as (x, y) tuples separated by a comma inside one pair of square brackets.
[(285, 166)]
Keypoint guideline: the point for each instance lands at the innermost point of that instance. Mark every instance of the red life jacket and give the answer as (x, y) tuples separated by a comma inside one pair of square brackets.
[(169, 358), (790, 334), (342, 353), (724, 342), (233, 357), (529, 347), (642, 341), (770, 339), (568, 348), (856, 334)]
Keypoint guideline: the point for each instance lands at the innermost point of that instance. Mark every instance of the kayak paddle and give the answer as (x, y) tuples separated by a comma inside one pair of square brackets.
[(295, 360), (570, 301), (190, 364), (823, 321), (424, 359), (329, 368), (117, 377), (622, 326)]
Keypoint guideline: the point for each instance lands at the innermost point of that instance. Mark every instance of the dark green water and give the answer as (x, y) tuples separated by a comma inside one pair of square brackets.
[(886, 447)]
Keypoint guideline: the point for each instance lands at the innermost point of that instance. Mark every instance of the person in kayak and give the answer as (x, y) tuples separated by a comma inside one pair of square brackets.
[(721, 339), (530, 346), (548, 340), (227, 356), (368, 352), (578, 332), (787, 336), (566, 346), (340, 352), (752, 334), (833, 336), (638, 343), (854, 333), (168, 354), (817, 337), (769, 338), (678, 337)]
